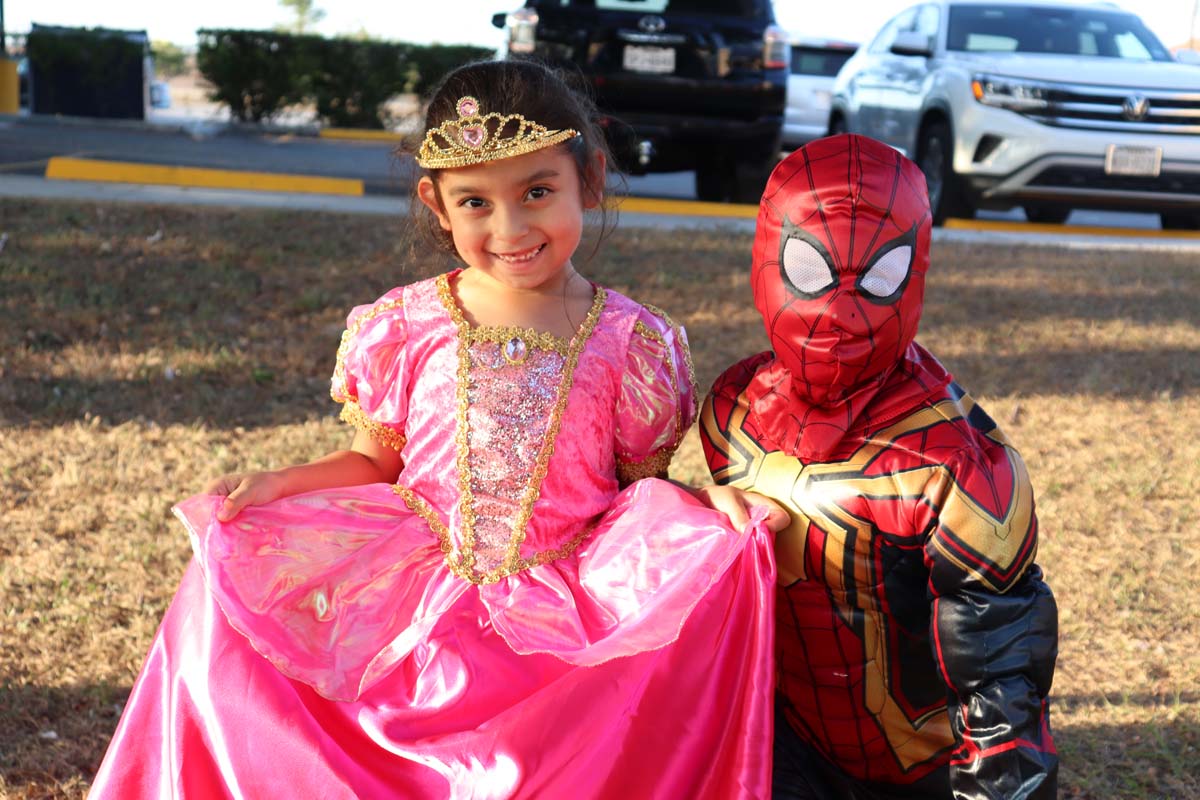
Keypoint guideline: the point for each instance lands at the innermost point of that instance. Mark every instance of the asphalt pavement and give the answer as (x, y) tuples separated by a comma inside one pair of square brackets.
[(27, 143)]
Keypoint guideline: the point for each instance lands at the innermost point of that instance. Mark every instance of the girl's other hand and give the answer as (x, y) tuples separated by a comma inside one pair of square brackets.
[(737, 503), (245, 489)]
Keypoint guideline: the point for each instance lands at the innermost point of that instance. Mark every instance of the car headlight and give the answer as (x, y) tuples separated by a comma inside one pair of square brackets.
[(1010, 93)]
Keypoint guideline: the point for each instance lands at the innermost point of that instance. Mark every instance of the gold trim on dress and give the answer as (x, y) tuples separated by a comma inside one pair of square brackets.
[(388, 437), (687, 354), (503, 334), (652, 466), (337, 389), (658, 462), (462, 562)]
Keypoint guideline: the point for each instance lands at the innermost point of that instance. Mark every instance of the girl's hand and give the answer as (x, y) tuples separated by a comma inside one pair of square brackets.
[(245, 489), (737, 503)]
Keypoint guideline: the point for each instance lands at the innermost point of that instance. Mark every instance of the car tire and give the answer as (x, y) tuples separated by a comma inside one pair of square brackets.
[(935, 157), (1047, 215), (1179, 221), (750, 179), (837, 125), (714, 181)]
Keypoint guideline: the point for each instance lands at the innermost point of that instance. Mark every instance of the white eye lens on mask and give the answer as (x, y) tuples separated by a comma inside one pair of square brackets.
[(885, 277), (806, 268)]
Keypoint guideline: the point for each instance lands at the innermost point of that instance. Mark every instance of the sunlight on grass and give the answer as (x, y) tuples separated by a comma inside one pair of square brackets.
[(135, 368)]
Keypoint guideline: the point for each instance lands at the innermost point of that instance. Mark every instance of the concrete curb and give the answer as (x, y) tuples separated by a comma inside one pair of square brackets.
[(633, 212)]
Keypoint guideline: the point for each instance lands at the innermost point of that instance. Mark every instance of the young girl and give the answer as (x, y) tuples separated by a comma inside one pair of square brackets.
[(482, 598)]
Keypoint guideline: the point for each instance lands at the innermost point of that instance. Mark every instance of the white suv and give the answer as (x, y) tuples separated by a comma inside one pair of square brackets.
[(1048, 106), (815, 63)]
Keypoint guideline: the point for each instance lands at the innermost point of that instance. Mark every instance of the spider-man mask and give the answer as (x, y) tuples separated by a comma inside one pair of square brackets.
[(840, 254)]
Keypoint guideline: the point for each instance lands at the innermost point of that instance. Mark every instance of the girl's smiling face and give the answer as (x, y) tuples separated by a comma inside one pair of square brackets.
[(517, 220)]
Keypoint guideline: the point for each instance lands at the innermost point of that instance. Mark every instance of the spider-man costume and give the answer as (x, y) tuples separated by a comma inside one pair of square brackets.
[(915, 638)]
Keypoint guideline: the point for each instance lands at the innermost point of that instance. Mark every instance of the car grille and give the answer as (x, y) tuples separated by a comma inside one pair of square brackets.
[(1120, 109), (1095, 179)]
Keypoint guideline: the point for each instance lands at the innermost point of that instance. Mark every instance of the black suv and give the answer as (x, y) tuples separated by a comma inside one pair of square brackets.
[(682, 84)]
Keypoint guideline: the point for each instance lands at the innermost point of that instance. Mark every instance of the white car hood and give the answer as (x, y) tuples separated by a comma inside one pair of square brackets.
[(1092, 70)]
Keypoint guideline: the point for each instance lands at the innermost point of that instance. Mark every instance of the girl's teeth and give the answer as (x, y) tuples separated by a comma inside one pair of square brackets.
[(523, 257)]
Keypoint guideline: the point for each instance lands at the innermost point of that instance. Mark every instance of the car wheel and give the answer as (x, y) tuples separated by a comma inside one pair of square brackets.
[(837, 125), (1049, 215), (750, 179), (1180, 221), (935, 157)]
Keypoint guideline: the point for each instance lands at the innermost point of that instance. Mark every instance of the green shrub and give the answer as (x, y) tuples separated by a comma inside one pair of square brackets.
[(353, 80), (258, 73), (434, 61), (255, 73)]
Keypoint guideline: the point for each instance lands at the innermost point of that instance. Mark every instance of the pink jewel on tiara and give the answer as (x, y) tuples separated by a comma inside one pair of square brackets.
[(473, 136), (468, 107)]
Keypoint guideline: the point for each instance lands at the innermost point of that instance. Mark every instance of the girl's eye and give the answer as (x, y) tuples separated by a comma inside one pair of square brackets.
[(538, 192), (471, 202)]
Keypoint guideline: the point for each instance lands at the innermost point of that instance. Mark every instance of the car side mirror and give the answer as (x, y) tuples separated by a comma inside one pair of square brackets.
[(498, 20), (1188, 57), (911, 43)]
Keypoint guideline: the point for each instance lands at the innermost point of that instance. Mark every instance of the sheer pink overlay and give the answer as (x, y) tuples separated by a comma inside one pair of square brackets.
[(506, 622)]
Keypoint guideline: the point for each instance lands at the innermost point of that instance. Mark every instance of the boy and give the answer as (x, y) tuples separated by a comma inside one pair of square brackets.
[(916, 639)]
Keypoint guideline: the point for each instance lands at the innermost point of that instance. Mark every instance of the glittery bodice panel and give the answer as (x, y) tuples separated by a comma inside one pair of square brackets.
[(513, 439), (509, 411)]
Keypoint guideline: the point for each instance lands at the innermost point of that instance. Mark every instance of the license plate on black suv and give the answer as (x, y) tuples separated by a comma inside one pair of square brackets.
[(682, 85), (638, 58)]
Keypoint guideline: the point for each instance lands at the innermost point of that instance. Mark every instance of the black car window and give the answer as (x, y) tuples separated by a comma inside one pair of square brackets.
[(1063, 31), (818, 60)]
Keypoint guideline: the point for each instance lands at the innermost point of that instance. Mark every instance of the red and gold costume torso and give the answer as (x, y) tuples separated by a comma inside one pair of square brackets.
[(914, 631)]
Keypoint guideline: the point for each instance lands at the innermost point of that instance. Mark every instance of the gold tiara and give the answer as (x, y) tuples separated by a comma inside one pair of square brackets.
[(474, 138)]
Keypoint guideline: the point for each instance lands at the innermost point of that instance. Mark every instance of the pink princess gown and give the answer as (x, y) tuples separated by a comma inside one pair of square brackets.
[(503, 622)]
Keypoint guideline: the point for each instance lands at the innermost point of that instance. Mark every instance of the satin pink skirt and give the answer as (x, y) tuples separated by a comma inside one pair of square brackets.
[(318, 647)]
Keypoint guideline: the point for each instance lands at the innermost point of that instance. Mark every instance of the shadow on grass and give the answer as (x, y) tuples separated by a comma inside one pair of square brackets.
[(207, 398), (1159, 760), (52, 739), (58, 737)]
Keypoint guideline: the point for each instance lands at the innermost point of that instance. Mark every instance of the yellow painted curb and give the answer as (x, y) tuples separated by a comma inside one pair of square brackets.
[(1038, 227), (86, 169), (351, 133), (687, 208)]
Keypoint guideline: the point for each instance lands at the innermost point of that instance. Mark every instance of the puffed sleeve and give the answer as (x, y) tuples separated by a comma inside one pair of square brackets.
[(370, 377), (657, 401)]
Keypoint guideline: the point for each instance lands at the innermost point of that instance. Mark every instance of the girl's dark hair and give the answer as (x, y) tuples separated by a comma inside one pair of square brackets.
[(517, 86)]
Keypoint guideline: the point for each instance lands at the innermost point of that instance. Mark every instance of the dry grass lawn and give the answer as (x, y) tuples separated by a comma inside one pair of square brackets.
[(144, 350)]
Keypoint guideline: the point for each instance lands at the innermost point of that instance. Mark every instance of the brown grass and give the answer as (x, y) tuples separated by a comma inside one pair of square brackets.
[(144, 350)]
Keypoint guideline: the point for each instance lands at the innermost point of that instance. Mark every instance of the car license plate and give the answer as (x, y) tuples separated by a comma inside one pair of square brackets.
[(649, 59), (1128, 160)]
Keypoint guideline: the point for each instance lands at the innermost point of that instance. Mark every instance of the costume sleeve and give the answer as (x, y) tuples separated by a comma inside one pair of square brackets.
[(656, 403), (994, 626), (370, 378)]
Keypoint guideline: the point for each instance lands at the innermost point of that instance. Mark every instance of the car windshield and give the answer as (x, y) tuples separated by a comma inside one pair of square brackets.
[(744, 8), (1062, 31), (818, 60)]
